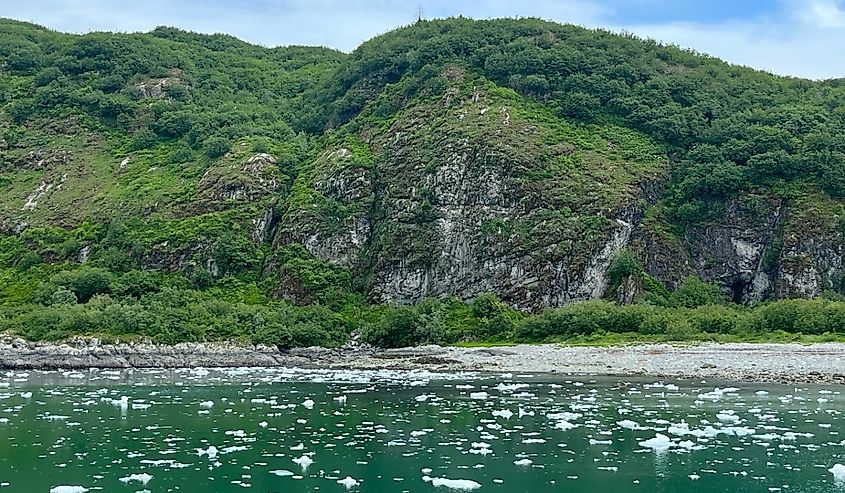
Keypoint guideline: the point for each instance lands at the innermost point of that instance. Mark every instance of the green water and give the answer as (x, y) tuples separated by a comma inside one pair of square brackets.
[(403, 432)]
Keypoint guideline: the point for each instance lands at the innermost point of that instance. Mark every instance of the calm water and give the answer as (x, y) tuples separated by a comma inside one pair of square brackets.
[(240, 430)]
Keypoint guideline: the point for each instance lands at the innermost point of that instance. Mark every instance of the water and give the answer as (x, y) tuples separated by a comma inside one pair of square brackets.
[(240, 430)]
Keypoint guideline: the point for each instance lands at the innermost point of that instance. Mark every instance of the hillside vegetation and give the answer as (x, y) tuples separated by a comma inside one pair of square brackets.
[(453, 180)]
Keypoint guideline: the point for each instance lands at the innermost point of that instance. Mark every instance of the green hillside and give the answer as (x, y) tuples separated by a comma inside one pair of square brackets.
[(442, 182)]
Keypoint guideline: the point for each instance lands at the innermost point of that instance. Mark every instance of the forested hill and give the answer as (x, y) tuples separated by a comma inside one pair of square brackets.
[(192, 187)]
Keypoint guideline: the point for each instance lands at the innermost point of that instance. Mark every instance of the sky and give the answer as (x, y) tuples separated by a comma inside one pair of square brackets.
[(804, 38)]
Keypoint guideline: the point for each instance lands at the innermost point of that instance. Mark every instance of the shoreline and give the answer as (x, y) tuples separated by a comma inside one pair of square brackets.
[(822, 363)]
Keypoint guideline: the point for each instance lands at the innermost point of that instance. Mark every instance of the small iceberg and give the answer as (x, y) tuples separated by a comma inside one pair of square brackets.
[(660, 443), (453, 484), (303, 462), (142, 478), (349, 482)]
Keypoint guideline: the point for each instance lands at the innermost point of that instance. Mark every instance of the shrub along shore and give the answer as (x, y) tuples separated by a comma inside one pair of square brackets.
[(169, 309)]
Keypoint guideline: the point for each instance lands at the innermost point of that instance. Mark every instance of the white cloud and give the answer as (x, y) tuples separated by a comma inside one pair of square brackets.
[(798, 42), (825, 14)]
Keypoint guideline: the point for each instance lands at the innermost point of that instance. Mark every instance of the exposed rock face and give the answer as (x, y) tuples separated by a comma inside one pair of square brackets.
[(332, 210), (760, 248), (34, 160), (465, 197), (154, 88), (254, 178), (811, 254)]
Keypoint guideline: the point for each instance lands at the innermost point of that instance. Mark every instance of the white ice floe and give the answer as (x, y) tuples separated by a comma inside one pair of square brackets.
[(718, 393), (207, 404), (565, 425), (211, 452), (349, 482), (453, 484), (838, 472), (660, 443), (283, 473), (523, 462), (68, 489), (628, 424), (479, 396), (502, 387), (523, 412), (142, 478), (303, 462), (341, 399), (308, 404), (505, 413)]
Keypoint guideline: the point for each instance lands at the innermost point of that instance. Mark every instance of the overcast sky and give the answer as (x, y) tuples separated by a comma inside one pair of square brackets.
[(793, 37)]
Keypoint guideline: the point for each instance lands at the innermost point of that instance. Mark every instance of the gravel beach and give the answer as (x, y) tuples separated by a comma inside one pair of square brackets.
[(781, 363)]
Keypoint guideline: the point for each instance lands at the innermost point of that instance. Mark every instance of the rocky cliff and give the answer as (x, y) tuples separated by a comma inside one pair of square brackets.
[(450, 158)]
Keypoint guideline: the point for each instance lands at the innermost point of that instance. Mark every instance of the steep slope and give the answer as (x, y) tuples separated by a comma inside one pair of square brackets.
[(447, 158), (475, 189)]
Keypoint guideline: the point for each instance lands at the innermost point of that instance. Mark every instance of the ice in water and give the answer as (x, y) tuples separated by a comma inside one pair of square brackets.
[(303, 462), (349, 482), (452, 484), (142, 478)]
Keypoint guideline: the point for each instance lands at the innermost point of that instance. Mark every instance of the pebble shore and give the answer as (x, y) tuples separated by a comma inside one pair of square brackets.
[(775, 363)]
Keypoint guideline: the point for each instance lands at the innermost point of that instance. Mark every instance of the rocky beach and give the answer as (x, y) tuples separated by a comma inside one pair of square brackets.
[(776, 363)]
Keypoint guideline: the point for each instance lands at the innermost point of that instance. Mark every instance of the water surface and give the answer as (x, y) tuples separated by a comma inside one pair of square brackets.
[(248, 430)]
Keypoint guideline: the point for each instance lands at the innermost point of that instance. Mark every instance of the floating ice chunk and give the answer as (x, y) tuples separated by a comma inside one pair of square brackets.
[(502, 387), (523, 412), (68, 489), (523, 462), (142, 478), (341, 399), (207, 404), (211, 452), (565, 425), (303, 462), (694, 477), (660, 443), (506, 413), (718, 393), (26, 395), (838, 472), (299, 447), (479, 396), (263, 424), (453, 484), (308, 404), (628, 424), (727, 417), (349, 482), (761, 393), (283, 473)]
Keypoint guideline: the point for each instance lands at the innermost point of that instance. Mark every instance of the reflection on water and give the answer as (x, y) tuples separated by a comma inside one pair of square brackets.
[(305, 430)]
